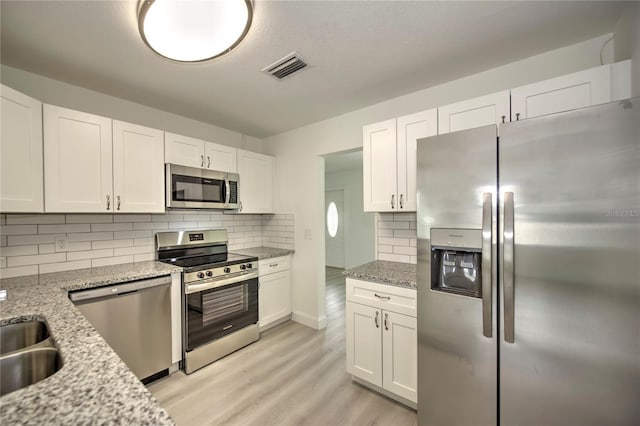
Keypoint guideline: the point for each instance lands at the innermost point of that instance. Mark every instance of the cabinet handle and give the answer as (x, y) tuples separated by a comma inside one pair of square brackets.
[(503, 118), (376, 319), (393, 201), (201, 160), (240, 206), (401, 202), (118, 200), (273, 265), (517, 116), (208, 162), (108, 202), (382, 297), (386, 321)]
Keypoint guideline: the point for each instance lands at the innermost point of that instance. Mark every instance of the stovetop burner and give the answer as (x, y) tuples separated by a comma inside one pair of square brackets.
[(209, 261), (203, 255)]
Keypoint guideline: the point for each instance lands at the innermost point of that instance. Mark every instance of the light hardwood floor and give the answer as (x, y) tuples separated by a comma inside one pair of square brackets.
[(293, 375)]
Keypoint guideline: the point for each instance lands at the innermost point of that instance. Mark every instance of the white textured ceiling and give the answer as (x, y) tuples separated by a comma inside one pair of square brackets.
[(362, 52)]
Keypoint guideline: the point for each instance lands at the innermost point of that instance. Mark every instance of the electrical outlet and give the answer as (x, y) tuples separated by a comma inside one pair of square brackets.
[(61, 243), (307, 234)]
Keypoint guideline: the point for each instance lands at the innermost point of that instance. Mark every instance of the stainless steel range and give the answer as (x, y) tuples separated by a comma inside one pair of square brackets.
[(220, 294)]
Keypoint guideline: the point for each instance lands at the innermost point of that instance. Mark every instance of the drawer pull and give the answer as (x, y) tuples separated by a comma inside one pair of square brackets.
[(382, 297), (272, 265)]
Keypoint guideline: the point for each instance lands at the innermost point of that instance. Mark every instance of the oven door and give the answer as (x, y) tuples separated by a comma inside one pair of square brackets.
[(214, 313), (189, 187)]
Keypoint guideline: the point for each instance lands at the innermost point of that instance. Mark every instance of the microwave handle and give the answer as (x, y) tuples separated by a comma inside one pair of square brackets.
[(227, 192)]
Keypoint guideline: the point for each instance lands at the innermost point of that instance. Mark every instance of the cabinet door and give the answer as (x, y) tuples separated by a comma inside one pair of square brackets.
[(256, 182), (184, 150), (410, 129), (21, 188), (138, 168), (364, 342), (400, 355), (477, 112), (77, 158), (219, 157), (577, 90), (274, 297), (379, 166)]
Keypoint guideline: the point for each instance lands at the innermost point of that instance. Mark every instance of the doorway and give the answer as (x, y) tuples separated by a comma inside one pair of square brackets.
[(354, 241), (334, 229)]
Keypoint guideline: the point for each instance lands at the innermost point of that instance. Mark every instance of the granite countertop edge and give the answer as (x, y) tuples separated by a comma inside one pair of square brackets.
[(264, 252), (397, 274), (94, 386)]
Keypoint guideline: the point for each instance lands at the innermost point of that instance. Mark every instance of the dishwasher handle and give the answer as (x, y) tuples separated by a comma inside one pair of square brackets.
[(120, 288)]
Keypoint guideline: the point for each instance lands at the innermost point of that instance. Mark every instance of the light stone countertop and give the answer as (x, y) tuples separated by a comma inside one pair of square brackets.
[(93, 386), (263, 252), (384, 272)]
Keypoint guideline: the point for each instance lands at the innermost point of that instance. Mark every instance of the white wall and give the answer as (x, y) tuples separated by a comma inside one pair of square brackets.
[(627, 42), (55, 92), (359, 232), (300, 168)]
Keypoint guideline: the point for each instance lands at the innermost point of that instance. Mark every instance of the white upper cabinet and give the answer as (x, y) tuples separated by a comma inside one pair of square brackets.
[(192, 152), (409, 129), (389, 161), (138, 168), (96, 165), (77, 157), (183, 150), (256, 182), (21, 187), (220, 157), (476, 112), (577, 90), (379, 165)]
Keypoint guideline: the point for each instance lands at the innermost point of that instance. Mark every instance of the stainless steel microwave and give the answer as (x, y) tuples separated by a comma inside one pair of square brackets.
[(193, 188)]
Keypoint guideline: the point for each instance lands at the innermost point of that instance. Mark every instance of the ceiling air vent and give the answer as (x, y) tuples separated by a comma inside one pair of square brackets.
[(285, 67)]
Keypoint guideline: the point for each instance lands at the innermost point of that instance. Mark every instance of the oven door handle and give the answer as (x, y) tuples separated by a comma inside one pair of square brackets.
[(214, 283)]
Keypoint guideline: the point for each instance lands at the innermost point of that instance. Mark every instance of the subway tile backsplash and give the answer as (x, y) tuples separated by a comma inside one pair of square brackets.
[(397, 237), (27, 242)]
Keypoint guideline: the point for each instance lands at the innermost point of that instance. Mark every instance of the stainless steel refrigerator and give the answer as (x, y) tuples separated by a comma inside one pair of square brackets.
[(529, 271)]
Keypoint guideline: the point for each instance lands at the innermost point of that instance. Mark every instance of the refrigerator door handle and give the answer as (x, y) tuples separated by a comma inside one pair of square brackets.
[(487, 240), (507, 268)]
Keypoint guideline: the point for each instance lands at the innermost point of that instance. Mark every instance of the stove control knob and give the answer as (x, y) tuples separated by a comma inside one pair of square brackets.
[(243, 266), (209, 273), (249, 266), (227, 270), (200, 275)]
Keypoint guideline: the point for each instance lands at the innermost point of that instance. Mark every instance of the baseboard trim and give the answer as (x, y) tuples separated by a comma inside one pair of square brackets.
[(309, 321)]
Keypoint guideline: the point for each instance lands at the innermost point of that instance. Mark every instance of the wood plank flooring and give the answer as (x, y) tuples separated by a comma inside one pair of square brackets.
[(293, 375)]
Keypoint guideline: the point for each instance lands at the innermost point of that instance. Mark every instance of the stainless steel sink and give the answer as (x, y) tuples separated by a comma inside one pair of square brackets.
[(23, 368), (28, 354), (21, 335)]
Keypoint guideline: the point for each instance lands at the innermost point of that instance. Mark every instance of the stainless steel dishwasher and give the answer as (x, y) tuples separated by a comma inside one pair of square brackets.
[(135, 319)]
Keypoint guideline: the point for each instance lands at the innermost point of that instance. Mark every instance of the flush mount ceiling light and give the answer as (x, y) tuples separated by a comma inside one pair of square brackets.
[(194, 30)]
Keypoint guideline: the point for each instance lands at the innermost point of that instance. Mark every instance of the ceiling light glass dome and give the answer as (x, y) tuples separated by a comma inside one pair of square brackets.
[(194, 30)]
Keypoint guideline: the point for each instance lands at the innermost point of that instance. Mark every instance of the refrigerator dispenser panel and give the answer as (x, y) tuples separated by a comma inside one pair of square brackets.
[(456, 258)]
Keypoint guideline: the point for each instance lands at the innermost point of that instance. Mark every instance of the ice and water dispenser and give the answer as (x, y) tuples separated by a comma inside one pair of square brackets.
[(456, 258)]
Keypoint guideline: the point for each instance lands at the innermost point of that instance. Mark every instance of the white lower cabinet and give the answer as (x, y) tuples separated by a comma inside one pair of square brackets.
[(381, 342), (274, 293)]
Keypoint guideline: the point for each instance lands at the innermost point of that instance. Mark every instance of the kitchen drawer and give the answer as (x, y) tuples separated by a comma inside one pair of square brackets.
[(391, 298), (273, 265)]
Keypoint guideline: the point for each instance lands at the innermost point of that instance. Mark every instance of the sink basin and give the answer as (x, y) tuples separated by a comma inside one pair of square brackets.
[(26, 367), (22, 335)]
